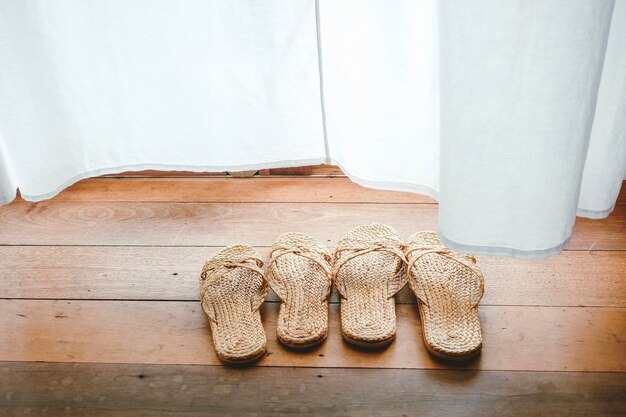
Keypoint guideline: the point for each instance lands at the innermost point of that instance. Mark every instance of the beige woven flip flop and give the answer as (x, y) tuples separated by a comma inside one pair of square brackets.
[(368, 272), (232, 288), (300, 274), (448, 286)]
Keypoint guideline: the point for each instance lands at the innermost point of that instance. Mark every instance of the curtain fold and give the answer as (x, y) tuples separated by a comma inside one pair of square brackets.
[(511, 113), (605, 165), (8, 185), (519, 85), (381, 91)]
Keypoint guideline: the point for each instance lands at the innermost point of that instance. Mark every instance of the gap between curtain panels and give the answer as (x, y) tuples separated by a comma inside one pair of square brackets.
[(320, 70)]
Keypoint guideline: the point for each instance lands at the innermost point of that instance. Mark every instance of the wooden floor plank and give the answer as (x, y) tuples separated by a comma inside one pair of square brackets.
[(164, 273), (148, 390), (229, 189), (146, 239), (257, 189), (217, 224), (72, 223), (515, 338)]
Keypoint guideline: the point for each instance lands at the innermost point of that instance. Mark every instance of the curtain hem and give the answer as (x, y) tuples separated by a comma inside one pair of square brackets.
[(388, 185), (594, 214), (369, 183), (165, 167), (365, 182), (8, 197), (504, 251)]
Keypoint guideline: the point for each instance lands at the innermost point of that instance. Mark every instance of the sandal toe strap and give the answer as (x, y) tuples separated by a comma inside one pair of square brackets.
[(220, 267), (415, 253), (358, 250), (320, 258)]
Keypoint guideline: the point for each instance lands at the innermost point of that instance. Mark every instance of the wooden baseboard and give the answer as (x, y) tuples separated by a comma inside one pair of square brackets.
[(310, 170)]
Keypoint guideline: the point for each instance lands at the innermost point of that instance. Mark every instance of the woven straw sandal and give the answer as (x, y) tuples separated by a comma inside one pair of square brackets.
[(300, 274), (368, 272), (448, 286), (232, 288)]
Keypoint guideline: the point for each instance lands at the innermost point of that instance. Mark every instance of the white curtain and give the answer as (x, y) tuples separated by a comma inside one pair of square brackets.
[(512, 113)]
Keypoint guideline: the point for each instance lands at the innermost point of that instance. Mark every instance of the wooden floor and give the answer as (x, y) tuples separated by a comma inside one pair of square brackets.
[(99, 312)]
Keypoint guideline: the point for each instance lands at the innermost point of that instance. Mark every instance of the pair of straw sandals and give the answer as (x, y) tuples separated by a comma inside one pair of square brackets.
[(368, 267)]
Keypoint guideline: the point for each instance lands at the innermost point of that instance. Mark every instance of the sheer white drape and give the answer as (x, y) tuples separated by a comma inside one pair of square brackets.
[(512, 113)]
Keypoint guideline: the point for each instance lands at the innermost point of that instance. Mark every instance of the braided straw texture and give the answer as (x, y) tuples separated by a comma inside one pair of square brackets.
[(448, 286), (368, 271), (300, 274), (232, 289)]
